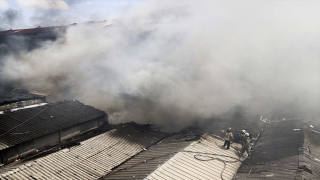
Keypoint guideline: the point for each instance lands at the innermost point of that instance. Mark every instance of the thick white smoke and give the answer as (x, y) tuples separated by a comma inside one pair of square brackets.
[(3, 4), (171, 63), (43, 4)]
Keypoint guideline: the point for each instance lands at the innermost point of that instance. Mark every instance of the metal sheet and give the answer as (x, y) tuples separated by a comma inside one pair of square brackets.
[(91, 159)]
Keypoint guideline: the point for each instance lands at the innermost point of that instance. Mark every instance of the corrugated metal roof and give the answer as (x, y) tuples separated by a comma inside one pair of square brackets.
[(202, 159), (39, 93), (182, 158), (26, 107), (163, 151), (53, 29), (16, 95), (32, 30), (91, 159), (310, 155), (276, 153), (13, 99), (26, 124)]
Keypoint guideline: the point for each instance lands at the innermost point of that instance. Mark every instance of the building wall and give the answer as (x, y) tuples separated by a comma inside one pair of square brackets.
[(89, 125), (18, 151), (31, 147), (69, 132), (82, 128), (47, 140), (104, 120)]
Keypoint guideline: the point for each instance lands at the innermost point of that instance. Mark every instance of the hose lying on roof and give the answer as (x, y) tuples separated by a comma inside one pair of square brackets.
[(210, 158), (196, 156)]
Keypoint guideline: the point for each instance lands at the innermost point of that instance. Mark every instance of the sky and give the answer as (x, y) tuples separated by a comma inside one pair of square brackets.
[(62, 12), (170, 63)]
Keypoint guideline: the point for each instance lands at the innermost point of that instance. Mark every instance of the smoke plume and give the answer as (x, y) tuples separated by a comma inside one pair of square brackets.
[(44, 4), (49, 17), (58, 12), (3, 4), (8, 18), (170, 63)]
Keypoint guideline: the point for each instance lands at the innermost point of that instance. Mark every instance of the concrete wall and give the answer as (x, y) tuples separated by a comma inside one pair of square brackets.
[(30, 147)]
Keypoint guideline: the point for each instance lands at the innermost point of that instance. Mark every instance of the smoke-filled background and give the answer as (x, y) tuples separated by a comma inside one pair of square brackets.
[(170, 63)]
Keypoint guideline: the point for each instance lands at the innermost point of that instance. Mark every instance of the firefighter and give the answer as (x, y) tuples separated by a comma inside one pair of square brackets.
[(242, 137), (228, 136), (246, 145)]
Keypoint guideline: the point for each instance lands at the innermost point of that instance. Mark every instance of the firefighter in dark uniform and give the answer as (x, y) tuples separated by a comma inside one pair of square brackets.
[(242, 137)]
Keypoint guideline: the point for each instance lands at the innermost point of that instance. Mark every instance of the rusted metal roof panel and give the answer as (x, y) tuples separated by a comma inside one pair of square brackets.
[(26, 124)]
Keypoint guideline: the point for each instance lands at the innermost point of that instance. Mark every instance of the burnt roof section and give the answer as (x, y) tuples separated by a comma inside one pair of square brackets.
[(17, 94), (281, 153), (26, 124)]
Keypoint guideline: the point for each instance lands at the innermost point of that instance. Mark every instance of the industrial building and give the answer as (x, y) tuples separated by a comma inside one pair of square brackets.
[(40, 140), (132, 151), (281, 150), (71, 140), (27, 130)]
